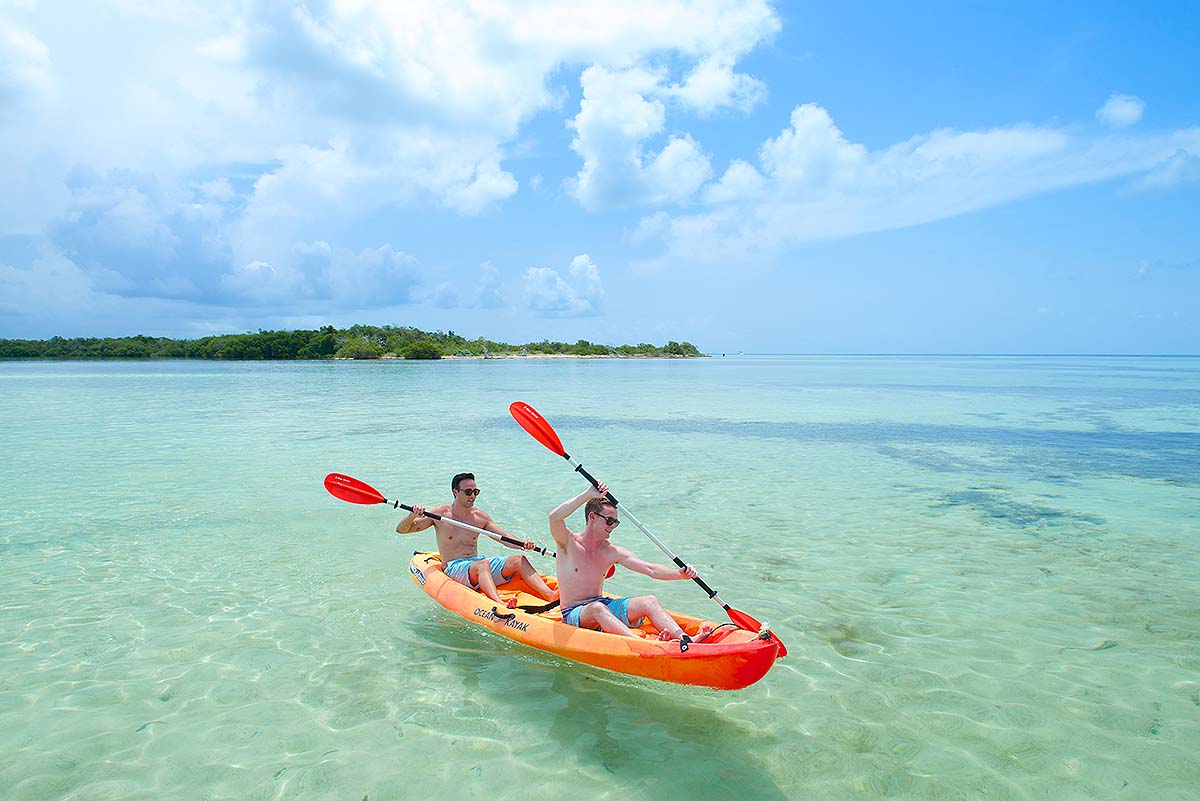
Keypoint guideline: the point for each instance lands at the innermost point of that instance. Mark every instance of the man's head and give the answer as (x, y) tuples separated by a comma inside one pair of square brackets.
[(464, 489), (602, 512)]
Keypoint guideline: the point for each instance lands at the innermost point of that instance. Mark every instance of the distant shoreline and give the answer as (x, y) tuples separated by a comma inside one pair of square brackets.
[(358, 342)]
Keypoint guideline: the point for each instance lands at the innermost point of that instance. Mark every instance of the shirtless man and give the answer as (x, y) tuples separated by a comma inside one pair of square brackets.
[(583, 561), (459, 546)]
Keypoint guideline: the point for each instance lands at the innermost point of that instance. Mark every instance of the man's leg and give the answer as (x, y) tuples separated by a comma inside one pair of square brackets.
[(597, 614), (648, 606), (481, 574), (520, 565), (668, 627)]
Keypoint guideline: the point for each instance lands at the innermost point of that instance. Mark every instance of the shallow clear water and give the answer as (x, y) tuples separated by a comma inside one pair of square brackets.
[(985, 570)]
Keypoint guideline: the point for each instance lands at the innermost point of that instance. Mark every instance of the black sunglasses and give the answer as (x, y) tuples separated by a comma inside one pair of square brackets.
[(612, 521), (469, 491)]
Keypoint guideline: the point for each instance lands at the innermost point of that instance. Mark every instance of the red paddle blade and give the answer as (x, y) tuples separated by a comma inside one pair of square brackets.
[(536, 425), (748, 623), (352, 490), (743, 620)]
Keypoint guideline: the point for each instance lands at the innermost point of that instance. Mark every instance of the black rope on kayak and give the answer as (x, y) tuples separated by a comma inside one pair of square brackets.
[(537, 610)]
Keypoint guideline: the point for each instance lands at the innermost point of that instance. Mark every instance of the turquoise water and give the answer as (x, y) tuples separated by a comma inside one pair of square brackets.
[(985, 570)]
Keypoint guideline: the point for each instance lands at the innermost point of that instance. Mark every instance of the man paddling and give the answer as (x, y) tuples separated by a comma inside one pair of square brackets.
[(459, 549), (583, 562)]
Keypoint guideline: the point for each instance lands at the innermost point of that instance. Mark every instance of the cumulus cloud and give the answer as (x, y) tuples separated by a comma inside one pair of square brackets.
[(378, 276), (615, 118), (811, 182), (346, 109), (580, 294), (136, 238), (713, 85), (1121, 110)]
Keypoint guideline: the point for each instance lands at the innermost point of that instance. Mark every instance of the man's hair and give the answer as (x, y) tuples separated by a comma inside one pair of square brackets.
[(454, 482), (594, 505)]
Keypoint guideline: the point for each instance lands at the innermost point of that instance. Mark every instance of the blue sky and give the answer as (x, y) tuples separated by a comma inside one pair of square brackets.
[(748, 176)]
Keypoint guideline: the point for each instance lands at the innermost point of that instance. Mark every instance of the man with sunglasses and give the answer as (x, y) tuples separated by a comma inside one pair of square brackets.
[(458, 546), (582, 565)]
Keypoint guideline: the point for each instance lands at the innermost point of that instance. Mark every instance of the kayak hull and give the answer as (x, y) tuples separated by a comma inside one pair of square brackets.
[(730, 659)]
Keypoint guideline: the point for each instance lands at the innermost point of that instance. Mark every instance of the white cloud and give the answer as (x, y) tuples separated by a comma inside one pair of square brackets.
[(713, 85), (261, 282), (812, 183), (579, 295), (378, 276), (740, 182), (138, 238), (348, 107), (1180, 168), (811, 154), (1121, 110), (615, 118)]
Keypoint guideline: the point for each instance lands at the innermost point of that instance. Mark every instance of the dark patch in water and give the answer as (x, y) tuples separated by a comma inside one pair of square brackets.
[(1043, 453), (1104, 646), (1024, 515)]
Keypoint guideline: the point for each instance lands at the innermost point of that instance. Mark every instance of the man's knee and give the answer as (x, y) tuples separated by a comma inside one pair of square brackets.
[(599, 612), (644, 603)]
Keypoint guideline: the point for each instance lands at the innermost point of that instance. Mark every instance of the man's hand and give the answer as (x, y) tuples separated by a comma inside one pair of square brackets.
[(600, 490), (528, 545), (687, 572), (418, 512)]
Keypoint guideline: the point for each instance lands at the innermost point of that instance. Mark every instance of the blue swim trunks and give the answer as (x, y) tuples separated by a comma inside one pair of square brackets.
[(618, 606), (460, 569)]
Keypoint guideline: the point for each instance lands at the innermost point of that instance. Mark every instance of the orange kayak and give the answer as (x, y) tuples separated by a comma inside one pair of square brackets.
[(729, 659)]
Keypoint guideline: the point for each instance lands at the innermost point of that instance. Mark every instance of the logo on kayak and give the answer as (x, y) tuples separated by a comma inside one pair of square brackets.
[(416, 571), (508, 620)]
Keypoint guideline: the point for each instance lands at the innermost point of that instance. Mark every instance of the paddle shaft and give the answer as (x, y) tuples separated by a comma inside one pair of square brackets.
[(633, 519), (468, 526)]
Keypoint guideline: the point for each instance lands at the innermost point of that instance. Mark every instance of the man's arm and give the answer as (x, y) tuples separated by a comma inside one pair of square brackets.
[(490, 525), (558, 518), (415, 521), (654, 571)]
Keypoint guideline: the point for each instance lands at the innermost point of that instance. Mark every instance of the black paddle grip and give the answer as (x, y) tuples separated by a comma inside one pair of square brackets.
[(596, 484), (509, 540), (711, 592)]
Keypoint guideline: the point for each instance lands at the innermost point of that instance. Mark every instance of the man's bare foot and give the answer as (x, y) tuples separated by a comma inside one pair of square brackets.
[(701, 635)]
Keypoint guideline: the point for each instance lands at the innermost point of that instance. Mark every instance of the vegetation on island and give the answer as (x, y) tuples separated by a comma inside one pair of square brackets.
[(355, 342)]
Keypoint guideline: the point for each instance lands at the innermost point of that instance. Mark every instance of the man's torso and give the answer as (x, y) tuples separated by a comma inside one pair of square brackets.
[(581, 570), (455, 542)]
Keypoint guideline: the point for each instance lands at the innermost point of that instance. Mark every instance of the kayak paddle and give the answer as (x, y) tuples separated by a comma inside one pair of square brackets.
[(351, 489), (537, 426)]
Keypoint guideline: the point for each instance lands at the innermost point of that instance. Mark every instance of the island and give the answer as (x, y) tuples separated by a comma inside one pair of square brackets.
[(355, 342)]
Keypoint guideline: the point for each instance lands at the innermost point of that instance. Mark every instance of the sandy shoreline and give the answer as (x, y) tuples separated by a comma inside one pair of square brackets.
[(492, 357)]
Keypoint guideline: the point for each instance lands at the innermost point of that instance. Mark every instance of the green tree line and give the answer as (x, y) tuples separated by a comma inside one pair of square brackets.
[(355, 342)]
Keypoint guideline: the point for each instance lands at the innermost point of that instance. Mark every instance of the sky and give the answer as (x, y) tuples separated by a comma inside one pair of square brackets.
[(858, 177)]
